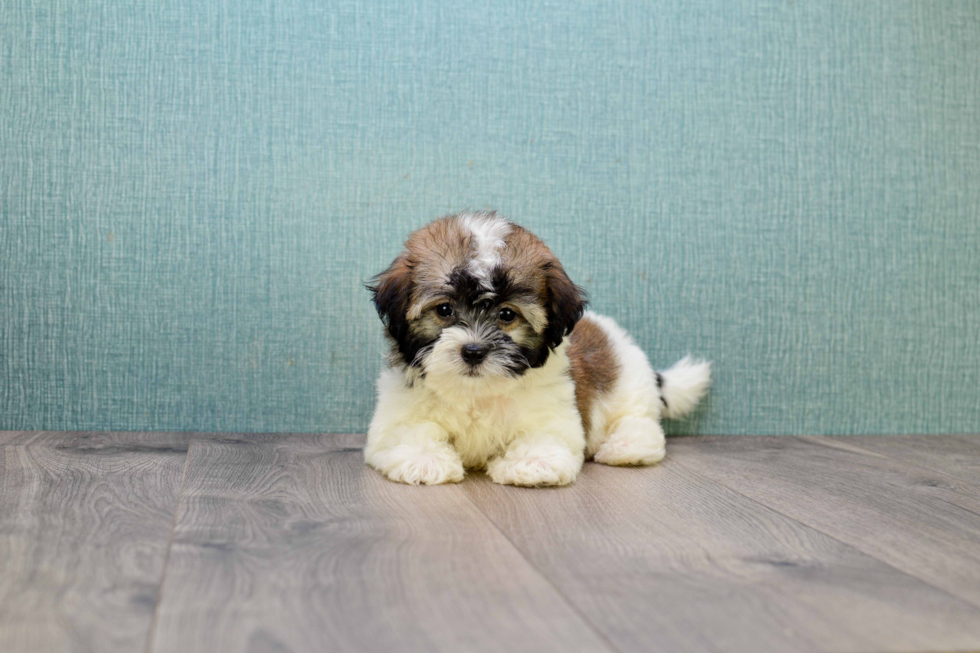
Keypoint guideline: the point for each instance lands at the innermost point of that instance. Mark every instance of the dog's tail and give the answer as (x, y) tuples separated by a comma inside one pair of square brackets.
[(683, 385)]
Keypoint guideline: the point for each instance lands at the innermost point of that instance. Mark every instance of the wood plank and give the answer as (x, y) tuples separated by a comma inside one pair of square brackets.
[(925, 523), (956, 455), (293, 544), (662, 559), (85, 520), (7, 436)]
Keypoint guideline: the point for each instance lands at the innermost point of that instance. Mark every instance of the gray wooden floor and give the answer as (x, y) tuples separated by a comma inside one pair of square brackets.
[(168, 542)]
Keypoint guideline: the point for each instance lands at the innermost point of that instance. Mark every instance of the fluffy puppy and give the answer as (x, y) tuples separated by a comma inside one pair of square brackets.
[(486, 372)]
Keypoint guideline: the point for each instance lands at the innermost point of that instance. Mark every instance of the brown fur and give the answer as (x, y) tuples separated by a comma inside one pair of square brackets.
[(526, 257), (435, 250), (438, 248), (594, 366)]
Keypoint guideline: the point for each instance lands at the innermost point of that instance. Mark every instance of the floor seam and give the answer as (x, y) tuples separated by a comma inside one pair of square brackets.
[(849, 545), (170, 544), (819, 440), (911, 466), (571, 604)]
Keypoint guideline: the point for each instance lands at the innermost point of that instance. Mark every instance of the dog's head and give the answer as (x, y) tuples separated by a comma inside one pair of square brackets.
[(474, 296)]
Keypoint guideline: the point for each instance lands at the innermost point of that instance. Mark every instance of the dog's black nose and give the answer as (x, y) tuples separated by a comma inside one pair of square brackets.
[(473, 354)]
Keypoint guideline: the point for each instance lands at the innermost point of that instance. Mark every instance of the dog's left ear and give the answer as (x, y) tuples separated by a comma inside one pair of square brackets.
[(565, 304)]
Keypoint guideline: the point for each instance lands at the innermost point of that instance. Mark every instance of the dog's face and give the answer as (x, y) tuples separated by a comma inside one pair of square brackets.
[(475, 298)]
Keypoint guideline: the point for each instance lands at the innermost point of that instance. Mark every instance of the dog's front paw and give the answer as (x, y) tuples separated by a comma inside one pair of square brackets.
[(419, 465), (537, 468), (636, 441)]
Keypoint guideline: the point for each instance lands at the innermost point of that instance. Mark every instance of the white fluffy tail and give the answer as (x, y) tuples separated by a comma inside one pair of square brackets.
[(683, 385)]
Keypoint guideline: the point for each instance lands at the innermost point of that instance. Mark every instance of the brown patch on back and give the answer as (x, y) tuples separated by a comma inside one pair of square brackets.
[(593, 365)]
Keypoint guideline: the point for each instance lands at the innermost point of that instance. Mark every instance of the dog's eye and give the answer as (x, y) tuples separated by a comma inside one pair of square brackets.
[(444, 310), (506, 315)]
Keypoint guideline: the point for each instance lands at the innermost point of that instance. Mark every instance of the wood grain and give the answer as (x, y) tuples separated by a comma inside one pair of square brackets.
[(7, 436), (290, 543), (925, 523), (85, 519), (955, 455), (662, 559)]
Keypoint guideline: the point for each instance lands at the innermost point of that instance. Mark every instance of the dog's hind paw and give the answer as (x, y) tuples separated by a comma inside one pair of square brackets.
[(636, 441)]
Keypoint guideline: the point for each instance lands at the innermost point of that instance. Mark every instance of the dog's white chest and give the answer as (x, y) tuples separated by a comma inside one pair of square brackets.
[(480, 427)]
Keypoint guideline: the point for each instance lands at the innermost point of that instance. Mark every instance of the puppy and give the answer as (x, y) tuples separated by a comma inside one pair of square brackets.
[(496, 365)]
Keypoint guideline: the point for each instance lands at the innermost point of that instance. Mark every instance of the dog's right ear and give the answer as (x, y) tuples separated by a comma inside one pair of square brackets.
[(392, 291)]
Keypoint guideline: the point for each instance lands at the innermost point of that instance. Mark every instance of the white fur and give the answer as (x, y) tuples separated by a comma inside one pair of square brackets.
[(524, 430), (626, 421), (489, 231), (684, 385)]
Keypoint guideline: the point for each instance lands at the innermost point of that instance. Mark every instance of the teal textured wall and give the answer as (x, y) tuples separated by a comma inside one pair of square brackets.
[(192, 194)]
